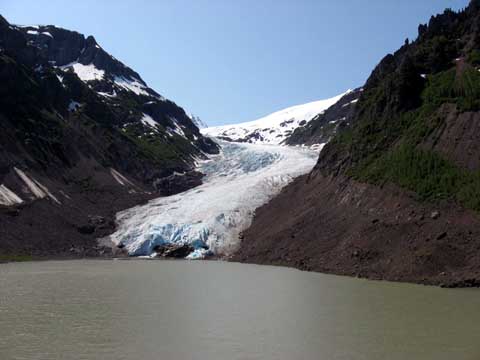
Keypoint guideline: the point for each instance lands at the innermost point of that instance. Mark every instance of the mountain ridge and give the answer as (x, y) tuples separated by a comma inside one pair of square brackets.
[(274, 128)]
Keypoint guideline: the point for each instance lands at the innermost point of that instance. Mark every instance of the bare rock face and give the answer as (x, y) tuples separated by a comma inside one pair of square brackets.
[(173, 251), (177, 183)]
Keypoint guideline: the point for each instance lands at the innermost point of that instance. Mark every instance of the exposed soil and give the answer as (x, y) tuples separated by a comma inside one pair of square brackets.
[(43, 229), (343, 227)]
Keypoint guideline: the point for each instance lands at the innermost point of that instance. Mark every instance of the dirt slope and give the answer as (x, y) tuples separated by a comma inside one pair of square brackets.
[(343, 227)]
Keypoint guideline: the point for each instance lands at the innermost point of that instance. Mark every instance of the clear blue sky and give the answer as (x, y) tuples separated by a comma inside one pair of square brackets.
[(230, 61)]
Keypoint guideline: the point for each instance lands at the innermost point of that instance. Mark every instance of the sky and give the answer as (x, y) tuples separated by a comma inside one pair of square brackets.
[(231, 61)]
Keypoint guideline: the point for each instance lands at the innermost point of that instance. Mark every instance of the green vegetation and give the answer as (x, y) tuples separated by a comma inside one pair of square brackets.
[(164, 151), (15, 258), (426, 173), (474, 57), (448, 87), (387, 147), (436, 54)]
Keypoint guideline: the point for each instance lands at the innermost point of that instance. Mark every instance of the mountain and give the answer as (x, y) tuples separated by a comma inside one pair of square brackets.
[(395, 195), (274, 128), (140, 108), (326, 124), (83, 136), (198, 122)]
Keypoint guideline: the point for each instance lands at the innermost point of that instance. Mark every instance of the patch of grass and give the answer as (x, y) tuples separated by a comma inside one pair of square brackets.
[(474, 57), (15, 258), (448, 87), (427, 173), (165, 150), (388, 149)]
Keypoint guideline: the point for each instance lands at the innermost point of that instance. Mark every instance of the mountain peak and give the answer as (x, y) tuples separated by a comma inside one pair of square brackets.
[(68, 49), (274, 128)]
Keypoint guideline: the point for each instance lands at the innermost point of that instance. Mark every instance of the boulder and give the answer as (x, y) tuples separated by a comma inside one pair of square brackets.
[(173, 250)]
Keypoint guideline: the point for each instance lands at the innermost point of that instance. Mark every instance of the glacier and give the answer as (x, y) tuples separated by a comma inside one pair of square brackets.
[(211, 216)]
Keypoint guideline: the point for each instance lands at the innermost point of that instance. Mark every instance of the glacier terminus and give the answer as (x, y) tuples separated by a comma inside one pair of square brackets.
[(210, 217)]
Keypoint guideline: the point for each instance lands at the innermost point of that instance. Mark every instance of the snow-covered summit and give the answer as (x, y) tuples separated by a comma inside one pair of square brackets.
[(273, 128), (142, 112), (70, 51)]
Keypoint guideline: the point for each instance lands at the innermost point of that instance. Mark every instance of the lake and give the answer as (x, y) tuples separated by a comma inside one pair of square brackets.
[(132, 309)]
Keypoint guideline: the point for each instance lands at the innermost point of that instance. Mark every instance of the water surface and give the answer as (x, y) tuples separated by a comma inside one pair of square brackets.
[(216, 310)]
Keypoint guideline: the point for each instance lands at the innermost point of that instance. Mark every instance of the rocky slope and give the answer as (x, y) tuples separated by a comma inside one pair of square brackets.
[(396, 195), (83, 136), (325, 125), (274, 128)]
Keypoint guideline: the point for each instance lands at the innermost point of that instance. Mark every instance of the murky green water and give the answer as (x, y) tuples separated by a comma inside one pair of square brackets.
[(215, 310)]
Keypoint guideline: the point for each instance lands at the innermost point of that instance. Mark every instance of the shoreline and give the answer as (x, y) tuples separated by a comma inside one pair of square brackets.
[(458, 284), (354, 229), (259, 244)]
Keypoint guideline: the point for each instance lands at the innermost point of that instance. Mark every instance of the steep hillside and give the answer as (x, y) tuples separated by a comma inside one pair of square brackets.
[(82, 137), (274, 128), (396, 195), (198, 122)]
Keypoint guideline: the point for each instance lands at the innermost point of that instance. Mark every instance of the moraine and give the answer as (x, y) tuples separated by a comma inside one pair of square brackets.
[(210, 218)]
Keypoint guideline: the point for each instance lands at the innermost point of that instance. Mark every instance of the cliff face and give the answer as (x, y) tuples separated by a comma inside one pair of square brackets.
[(82, 137), (396, 194)]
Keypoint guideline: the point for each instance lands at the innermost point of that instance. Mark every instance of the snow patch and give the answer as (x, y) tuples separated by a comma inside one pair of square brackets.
[(350, 103), (176, 129), (114, 94), (133, 85), (8, 197), (148, 121), (36, 188), (28, 26), (198, 122), (85, 72), (65, 195), (122, 180)]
